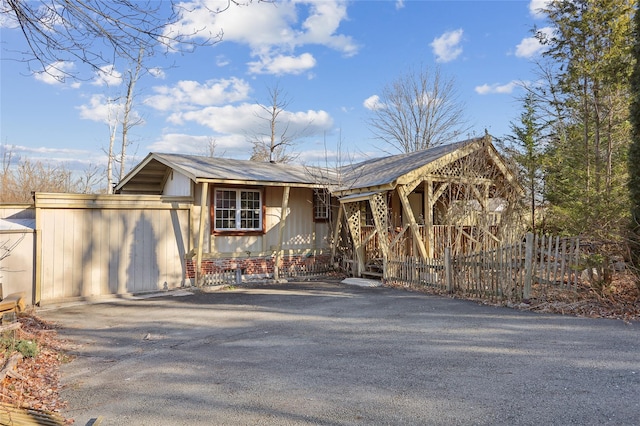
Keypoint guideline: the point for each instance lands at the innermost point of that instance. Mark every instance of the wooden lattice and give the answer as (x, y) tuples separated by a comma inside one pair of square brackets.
[(469, 167), (380, 210), (352, 213)]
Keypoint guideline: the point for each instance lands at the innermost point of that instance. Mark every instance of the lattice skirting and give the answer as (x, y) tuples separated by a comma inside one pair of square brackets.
[(227, 269)]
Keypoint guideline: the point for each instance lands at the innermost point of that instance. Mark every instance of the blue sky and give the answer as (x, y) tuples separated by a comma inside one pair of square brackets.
[(330, 57)]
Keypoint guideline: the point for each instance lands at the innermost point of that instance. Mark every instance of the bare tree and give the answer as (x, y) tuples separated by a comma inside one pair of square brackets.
[(112, 122), (27, 176), (211, 147), (128, 119), (97, 32), (276, 143), (418, 110)]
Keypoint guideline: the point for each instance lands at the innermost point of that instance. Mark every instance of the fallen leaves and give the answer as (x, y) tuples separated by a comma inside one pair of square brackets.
[(39, 388)]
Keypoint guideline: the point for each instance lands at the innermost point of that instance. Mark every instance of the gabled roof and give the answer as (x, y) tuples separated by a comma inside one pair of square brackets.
[(149, 176), (384, 172), (375, 175)]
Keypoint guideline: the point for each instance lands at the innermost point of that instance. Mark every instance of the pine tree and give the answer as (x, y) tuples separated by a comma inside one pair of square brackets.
[(634, 149), (526, 150), (587, 172)]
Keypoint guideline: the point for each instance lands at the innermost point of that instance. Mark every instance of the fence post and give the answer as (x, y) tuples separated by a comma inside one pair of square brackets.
[(528, 266), (447, 269)]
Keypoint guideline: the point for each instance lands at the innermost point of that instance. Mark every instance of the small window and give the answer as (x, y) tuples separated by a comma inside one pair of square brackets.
[(237, 210), (321, 205)]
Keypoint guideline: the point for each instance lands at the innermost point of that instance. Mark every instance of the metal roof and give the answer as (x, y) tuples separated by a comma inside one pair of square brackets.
[(149, 176), (386, 170)]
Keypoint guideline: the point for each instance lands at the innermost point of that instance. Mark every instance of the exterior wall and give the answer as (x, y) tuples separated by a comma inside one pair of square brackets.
[(17, 269), (101, 245), (19, 211), (304, 243), (177, 185), (301, 233)]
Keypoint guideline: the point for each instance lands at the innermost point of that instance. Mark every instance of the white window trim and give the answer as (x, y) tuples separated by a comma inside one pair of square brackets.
[(238, 219)]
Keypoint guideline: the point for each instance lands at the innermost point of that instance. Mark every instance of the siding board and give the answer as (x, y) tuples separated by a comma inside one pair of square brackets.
[(92, 251)]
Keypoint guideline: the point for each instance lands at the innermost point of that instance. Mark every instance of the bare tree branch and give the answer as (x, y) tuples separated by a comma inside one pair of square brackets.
[(275, 145), (98, 32), (419, 110)]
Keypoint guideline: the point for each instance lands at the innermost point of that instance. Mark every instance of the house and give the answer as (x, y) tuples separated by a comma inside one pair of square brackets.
[(179, 220), (414, 204), (248, 218)]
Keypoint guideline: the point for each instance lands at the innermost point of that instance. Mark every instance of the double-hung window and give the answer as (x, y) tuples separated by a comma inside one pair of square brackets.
[(237, 210), (321, 205)]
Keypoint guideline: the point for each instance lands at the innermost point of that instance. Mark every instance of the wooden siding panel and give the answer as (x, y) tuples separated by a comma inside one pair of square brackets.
[(273, 208), (177, 185), (299, 230), (114, 253), (94, 252), (16, 270)]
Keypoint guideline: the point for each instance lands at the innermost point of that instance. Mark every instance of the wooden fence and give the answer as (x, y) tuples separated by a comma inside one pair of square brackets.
[(513, 272)]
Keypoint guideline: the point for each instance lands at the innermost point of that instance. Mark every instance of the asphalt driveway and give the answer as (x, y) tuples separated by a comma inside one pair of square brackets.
[(330, 354)]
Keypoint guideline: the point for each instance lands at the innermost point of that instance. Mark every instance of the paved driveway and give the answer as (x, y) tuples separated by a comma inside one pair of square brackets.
[(331, 354)]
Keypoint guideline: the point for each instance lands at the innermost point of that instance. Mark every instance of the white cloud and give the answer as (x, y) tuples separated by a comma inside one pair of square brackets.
[(531, 46), (8, 20), (222, 61), (281, 64), (98, 109), (447, 46), (107, 76), (497, 88), (399, 4), (245, 119), (187, 94), (56, 73), (104, 110), (373, 103), (270, 30), (228, 145), (158, 73), (536, 6)]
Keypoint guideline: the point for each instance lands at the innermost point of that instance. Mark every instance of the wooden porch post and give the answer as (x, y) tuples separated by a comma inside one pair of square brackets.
[(352, 212), (406, 208), (429, 202), (379, 209), (203, 214), (283, 218), (336, 234)]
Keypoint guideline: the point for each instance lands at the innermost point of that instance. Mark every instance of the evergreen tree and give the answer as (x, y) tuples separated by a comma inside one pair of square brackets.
[(591, 47), (526, 150), (634, 149)]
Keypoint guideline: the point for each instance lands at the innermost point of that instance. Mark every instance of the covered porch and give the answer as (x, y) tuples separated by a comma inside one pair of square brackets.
[(460, 197)]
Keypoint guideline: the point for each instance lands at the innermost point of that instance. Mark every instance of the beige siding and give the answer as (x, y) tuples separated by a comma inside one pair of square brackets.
[(177, 184), (99, 251), (16, 270), (17, 211), (300, 234)]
